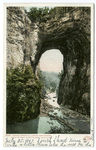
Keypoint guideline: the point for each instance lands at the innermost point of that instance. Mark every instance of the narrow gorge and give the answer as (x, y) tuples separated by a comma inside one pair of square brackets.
[(26, 42)]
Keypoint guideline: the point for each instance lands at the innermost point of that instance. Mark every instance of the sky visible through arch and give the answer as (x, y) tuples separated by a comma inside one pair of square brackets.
[(51, 61)]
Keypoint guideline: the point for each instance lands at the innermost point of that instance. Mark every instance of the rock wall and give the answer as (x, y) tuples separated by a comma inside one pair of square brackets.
[(21, 37), (74, 88)]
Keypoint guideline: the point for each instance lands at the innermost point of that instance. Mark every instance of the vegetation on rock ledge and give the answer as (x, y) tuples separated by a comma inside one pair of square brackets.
[(23, 94)]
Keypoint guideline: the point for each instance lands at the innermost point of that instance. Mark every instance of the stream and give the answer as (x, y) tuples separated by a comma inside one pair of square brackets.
[(43, 124), (53, 119)]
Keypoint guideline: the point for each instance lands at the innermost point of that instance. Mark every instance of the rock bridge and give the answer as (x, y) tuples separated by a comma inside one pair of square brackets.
[(68, 32)]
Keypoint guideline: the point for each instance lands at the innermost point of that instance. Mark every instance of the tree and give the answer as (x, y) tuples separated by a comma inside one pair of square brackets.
[(35, 13), (23, 94)]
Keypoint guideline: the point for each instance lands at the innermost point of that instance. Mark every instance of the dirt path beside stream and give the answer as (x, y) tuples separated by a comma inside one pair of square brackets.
[(45, 108)]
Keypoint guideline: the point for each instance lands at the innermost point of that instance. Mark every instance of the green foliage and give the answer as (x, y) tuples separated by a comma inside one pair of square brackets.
[(49, 80), (23, 94), (35, 13), (41, 77)]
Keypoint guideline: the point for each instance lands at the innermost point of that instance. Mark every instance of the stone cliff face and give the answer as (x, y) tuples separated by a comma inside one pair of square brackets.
[(21, 37), (70, 33)]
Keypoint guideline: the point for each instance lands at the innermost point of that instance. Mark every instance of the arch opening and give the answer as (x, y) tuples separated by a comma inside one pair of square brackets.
[(51, 61), (49, 69)]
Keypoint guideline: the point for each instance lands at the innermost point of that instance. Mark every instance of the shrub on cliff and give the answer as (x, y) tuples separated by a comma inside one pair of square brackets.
[(23, 94)]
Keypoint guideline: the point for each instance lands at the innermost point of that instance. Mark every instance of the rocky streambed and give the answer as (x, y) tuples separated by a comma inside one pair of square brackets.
[(53, 119)]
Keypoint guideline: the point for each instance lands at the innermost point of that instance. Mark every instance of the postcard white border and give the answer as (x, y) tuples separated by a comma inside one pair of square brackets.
[(77, 136)]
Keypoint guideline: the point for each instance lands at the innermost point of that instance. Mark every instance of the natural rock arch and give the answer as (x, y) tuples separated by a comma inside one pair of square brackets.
[(74, 43), (70, 34)]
